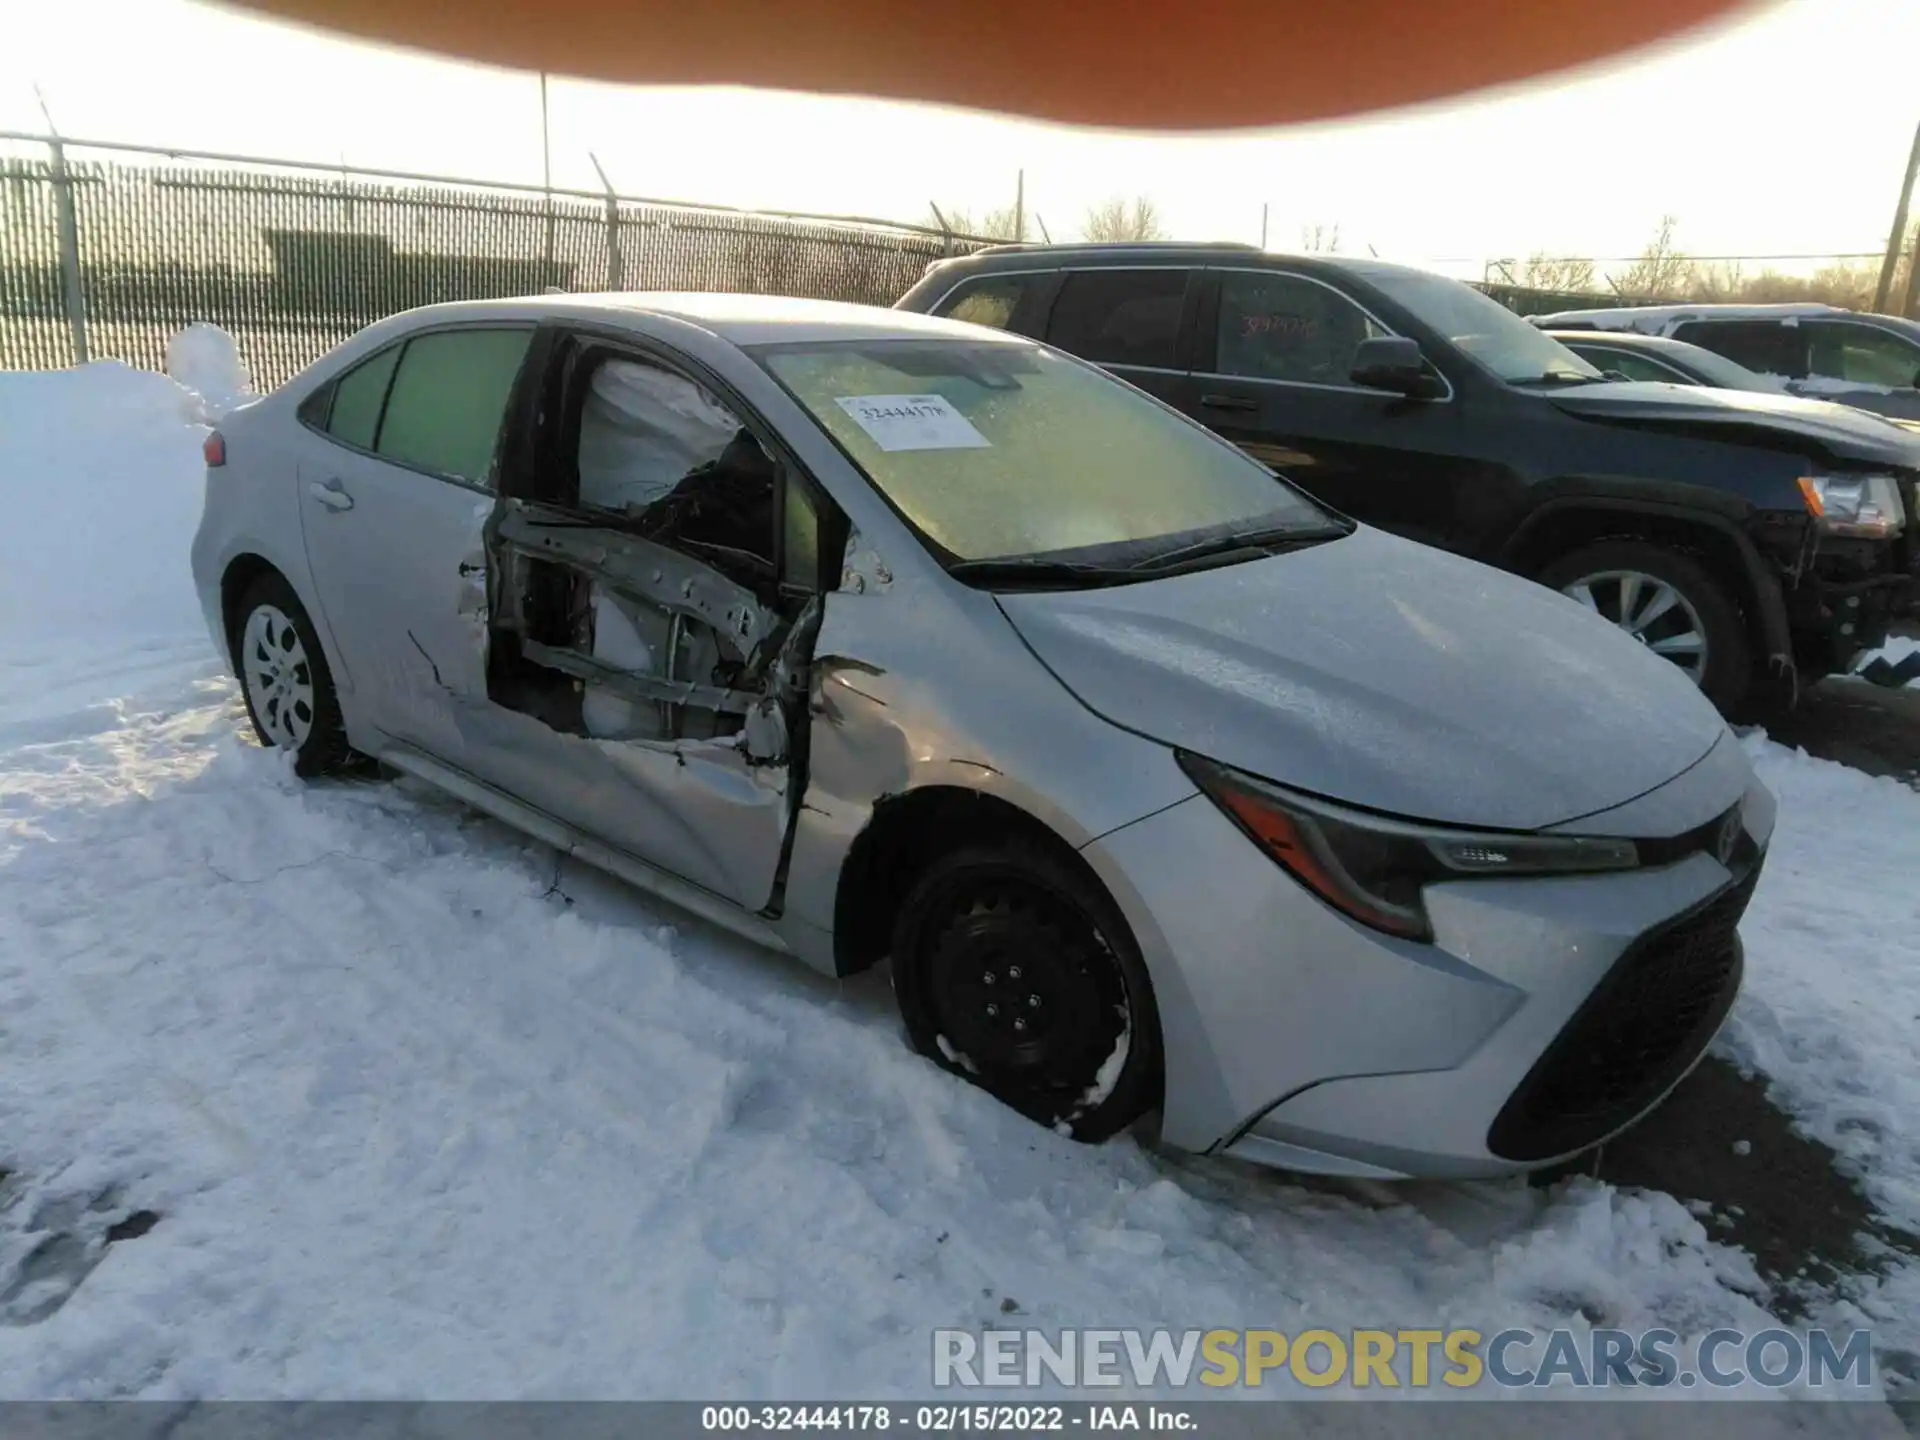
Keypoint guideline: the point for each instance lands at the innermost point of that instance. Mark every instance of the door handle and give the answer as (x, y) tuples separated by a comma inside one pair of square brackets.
[(332, 494), (1228, 402)]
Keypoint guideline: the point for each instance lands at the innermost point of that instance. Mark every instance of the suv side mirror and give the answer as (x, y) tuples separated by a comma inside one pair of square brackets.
[(1393, 362)]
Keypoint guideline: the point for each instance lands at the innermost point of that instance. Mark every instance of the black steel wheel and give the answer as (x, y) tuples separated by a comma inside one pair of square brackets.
[(1015, 971)]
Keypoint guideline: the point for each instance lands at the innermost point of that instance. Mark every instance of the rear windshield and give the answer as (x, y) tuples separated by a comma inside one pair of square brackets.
[(999, 449)]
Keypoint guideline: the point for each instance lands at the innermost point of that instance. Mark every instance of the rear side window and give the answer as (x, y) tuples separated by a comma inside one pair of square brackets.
[(989, 300), (357, 398), (1864, 355), (1120, 317), (1766, 346), (448, 398)]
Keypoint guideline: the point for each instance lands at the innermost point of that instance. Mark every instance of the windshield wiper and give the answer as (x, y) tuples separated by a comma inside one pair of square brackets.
[(1558, 377), (1256, 542), (1037, 569)]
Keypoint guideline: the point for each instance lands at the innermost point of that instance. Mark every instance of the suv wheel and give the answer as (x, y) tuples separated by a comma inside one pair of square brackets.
[(1667, 601)]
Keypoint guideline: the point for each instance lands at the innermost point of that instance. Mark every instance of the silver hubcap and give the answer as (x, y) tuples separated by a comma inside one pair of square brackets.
[(1650, 610), (278, 680)]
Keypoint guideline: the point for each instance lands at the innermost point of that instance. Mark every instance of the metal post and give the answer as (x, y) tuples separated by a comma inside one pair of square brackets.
[(1263, 225), (616, 272), (546, 182), (1899, 236), (1913, 280), (1020, 207), (946, 230), (69, 226)]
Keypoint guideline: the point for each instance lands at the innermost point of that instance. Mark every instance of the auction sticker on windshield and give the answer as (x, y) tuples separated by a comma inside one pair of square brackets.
[(912, 422)]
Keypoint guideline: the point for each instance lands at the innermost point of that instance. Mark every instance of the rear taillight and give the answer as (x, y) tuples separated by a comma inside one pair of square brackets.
[(214, 448)]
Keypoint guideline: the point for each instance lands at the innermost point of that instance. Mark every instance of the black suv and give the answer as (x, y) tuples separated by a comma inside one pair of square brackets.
[(1757, 541)]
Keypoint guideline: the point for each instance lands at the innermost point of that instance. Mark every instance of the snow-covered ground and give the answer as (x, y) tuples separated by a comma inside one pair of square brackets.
[(423, 1115)]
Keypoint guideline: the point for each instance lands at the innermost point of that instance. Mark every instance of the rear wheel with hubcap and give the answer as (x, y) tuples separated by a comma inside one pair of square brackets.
[(284, 677), (1016, 972), (1667, 601)]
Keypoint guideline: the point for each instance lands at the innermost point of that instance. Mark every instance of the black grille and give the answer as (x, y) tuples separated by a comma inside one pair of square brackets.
[(1645, 1022)]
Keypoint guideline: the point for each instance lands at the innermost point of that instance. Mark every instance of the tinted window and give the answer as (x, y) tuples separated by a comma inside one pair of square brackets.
[(449, 397), (1766, 345), (800, 551), (1864, 354), (1120, 317), (357, 398), (1282, 327), (1634, 367), (990, 300)]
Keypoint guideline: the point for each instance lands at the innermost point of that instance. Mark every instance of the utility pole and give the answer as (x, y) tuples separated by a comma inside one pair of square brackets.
[(1020, 206), (1897, 240), (1913, 281), (546, 183), (616, 272)]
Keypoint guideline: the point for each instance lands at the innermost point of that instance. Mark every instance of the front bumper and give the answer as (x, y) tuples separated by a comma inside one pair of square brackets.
[(1548, 1013)]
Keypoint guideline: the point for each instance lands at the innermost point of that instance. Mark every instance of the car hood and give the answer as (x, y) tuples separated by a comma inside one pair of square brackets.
[(1841, 431), (1384, 674)]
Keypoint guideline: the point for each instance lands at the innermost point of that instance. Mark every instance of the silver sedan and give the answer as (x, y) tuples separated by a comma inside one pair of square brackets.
[(877, 637)]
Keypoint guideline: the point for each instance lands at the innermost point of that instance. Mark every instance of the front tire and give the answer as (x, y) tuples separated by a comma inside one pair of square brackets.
[(1017, 973), (1670, 603), (284, 678)]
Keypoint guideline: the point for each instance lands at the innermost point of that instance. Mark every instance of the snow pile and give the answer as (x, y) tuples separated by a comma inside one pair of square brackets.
[(423, 1113), (1832, 998), (205, 362), (101, 476)]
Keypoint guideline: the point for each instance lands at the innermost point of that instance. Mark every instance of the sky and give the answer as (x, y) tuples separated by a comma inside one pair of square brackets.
[(1783, 133)]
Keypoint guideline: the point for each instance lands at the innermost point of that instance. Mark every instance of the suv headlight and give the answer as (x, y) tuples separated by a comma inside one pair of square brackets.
[(1861, 507), (1374, 868)]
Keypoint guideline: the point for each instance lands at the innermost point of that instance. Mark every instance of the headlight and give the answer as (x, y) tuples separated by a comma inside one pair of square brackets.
[(1373, 868), (1865, 507)]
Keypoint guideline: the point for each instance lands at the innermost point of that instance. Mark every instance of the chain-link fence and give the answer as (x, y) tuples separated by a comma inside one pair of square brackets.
[(107, 251)]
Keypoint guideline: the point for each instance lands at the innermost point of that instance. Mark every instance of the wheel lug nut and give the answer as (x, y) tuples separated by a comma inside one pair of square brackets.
[(1013, 972), (987, 978), (992, 1011), (1019, 1024), (1033, 1002)]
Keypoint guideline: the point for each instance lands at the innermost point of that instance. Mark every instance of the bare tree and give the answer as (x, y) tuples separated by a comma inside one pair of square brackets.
[(1663, 271), (1001, 224), (1316, 238), (1570, 275), (1121, 219)]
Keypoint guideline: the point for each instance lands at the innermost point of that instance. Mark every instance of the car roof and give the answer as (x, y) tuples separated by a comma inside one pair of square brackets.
[(1164, 252), (738, 319), (1626, 340), (1651, 319)]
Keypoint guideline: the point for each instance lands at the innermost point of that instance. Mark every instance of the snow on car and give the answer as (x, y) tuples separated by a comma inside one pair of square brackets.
[(412, 1107)]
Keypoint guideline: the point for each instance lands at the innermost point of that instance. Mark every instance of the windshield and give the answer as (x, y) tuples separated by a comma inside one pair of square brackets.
[(1483, 328), (994, 450), (1724, 374)]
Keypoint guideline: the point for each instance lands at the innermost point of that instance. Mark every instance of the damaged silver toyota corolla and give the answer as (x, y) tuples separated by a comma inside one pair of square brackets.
[(871, 635)]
